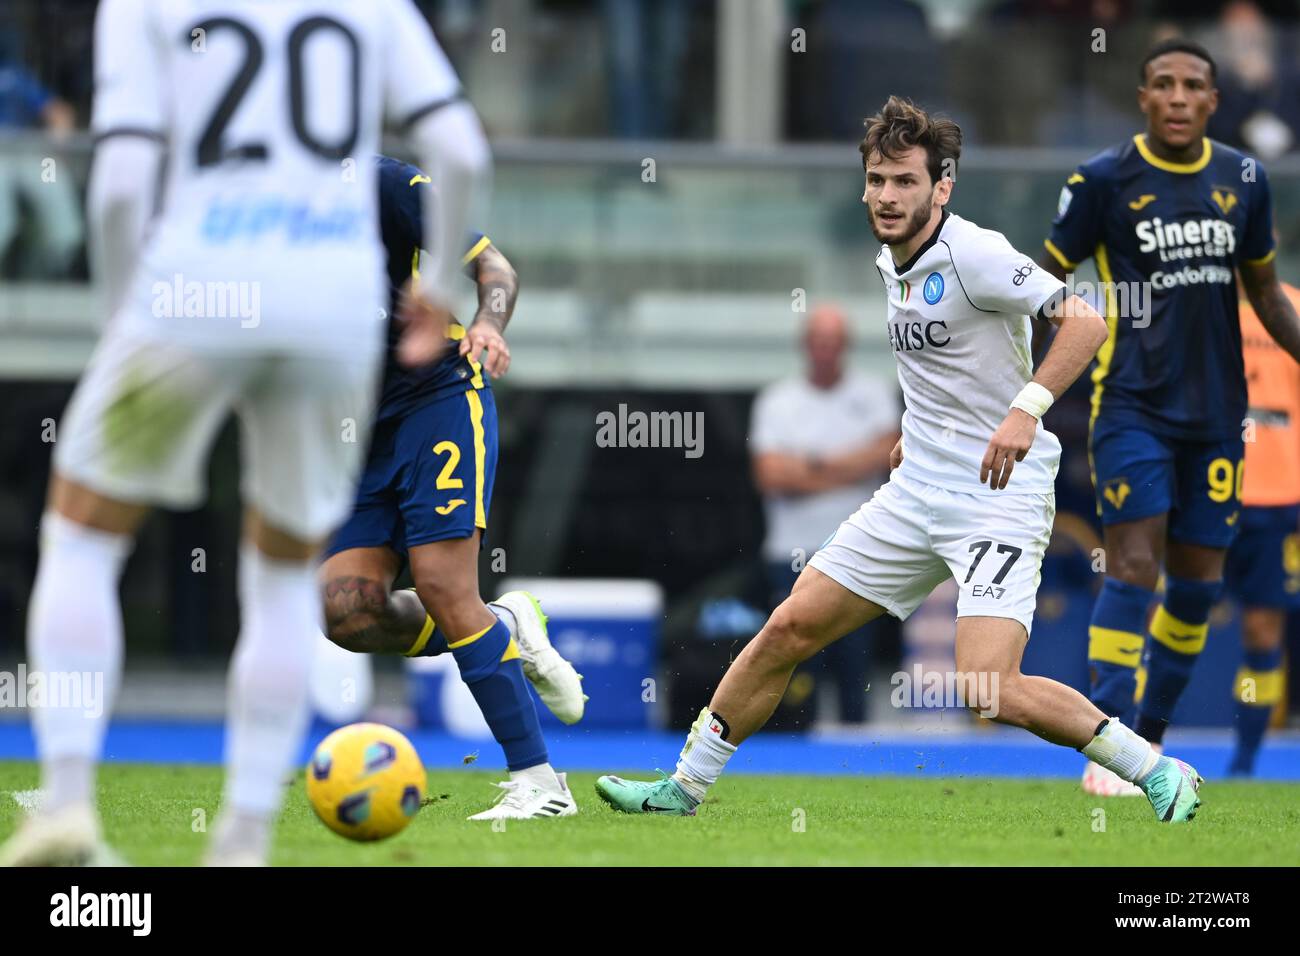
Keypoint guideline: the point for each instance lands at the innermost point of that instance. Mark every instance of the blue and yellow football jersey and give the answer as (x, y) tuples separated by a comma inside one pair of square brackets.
[(401, 225), (1169, 236)]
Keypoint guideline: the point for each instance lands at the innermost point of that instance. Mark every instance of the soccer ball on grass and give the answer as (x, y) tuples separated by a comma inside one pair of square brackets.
[(365, 781)]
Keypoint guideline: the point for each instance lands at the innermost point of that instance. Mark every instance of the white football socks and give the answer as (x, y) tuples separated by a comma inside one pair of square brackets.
[(703, 756), (267, 696), (506, 616), (1121, 750), (542, 776), (74, 641), (240, 834)]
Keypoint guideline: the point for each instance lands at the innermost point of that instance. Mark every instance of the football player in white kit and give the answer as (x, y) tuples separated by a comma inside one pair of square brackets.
[(971, 494), (257, 288)]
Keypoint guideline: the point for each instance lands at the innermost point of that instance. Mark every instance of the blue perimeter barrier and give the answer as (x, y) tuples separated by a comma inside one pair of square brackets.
[(993, 753)]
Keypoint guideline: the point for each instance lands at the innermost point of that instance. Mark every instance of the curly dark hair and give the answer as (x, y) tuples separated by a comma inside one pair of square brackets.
[(901, 124)]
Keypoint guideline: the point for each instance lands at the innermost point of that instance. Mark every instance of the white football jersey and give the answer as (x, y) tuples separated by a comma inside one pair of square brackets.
[(267, 231), (960, 330)]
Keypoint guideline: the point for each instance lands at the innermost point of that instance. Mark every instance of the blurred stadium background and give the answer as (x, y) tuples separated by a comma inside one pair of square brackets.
[(672, 178)]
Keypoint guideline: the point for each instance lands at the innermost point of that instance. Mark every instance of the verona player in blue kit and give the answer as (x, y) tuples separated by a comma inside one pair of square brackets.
[(423, 500), (1168, 216)]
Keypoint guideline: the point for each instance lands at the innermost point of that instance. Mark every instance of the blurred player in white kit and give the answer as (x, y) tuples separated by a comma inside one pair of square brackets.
[(258, 288)]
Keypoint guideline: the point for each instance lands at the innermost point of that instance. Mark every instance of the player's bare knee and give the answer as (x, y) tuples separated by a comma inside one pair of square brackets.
[(351, 634), (454, 603), (1262, 629), (1137, 567), (786, 638), (354, 607), (277, 543), (445, 574), (998, 696), (90, 509), (979, 685), (439, 596)]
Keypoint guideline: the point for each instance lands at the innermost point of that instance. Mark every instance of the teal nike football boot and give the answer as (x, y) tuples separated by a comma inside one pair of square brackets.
[(1172, 788), (664, 796)]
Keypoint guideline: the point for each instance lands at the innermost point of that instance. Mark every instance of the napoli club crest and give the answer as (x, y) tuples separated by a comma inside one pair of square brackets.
[(933, 289)]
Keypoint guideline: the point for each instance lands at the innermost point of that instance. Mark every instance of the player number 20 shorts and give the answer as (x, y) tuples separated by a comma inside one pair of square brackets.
[(144, 415)]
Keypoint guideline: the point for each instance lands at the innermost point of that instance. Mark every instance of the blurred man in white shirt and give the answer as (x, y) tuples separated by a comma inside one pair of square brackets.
[(821, 444)]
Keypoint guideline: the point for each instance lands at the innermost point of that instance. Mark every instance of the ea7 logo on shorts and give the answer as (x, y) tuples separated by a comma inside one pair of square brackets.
[(993, 590)]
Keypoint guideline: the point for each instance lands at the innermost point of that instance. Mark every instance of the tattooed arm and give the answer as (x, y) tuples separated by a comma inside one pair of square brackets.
[(1272, 306), (498, 288)]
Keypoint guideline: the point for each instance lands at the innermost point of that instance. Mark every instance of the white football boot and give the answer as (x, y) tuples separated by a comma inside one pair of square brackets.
[(65, 837), (521, 800), (1100, 782), (557, 683)]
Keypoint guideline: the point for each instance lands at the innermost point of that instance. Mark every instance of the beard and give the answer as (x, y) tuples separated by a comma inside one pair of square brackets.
[(911, 226)]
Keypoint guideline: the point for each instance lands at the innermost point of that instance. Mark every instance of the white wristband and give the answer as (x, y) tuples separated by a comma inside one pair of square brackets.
[(1034, 399)]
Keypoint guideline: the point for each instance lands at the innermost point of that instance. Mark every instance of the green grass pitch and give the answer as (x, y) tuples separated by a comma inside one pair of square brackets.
[(156, 815)]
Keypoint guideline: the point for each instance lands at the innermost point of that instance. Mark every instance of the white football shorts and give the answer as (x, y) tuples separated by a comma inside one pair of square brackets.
[(141, 423), (911, 536)]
